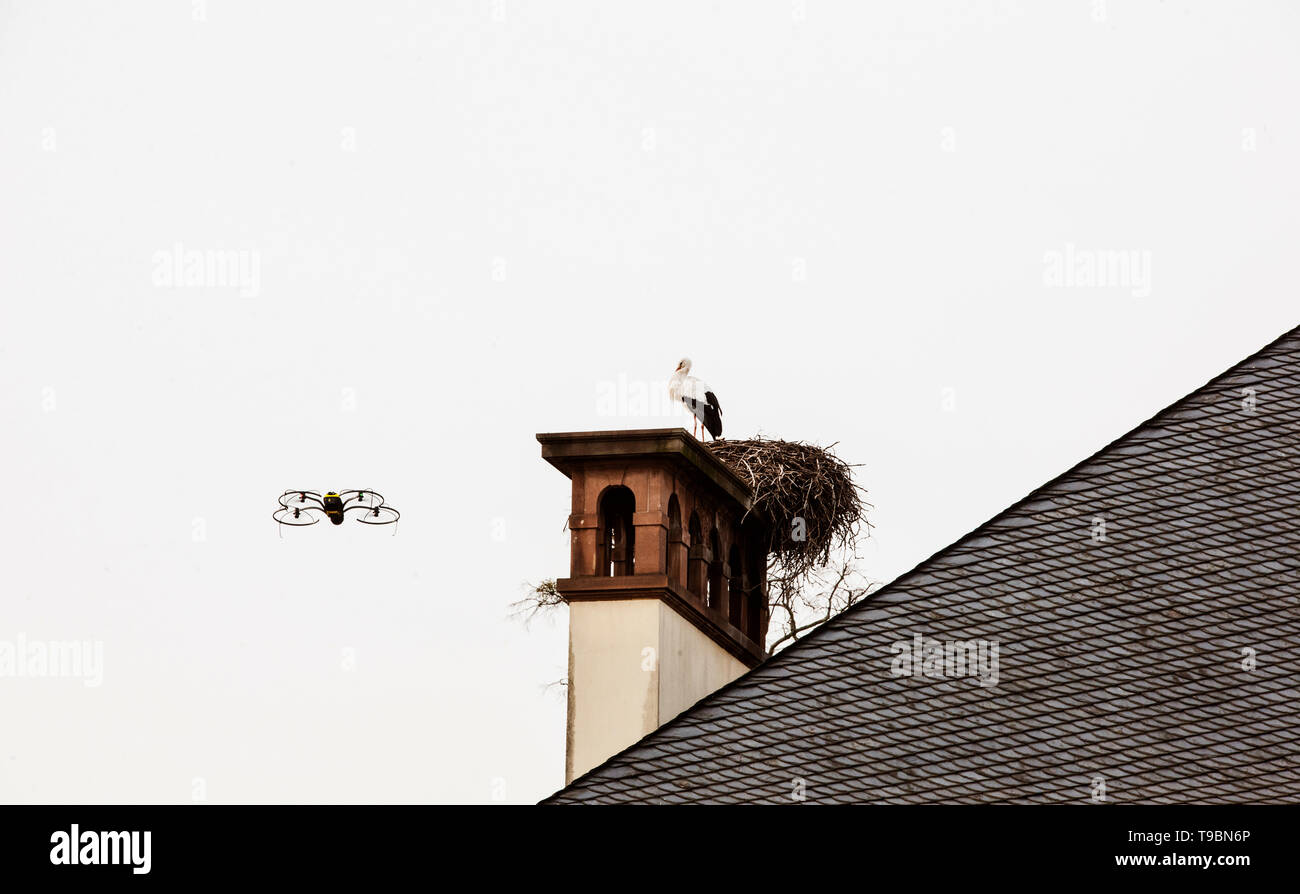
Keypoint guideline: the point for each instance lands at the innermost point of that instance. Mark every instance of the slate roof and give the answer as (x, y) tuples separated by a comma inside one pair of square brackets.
[(1120, 659)]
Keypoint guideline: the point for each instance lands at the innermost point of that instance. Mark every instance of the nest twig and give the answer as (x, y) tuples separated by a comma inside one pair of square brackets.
[(799, 489)]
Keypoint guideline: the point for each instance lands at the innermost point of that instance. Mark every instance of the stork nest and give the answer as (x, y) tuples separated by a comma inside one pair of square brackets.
[(792, 480)]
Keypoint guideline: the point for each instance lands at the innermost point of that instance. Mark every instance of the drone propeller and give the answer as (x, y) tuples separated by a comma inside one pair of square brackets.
[(379, 515), (301, 499), (367, 498), (296, 517)]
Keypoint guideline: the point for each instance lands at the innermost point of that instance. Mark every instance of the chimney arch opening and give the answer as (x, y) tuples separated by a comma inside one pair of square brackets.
[(735, 587), (675, 561), (697, 564), (616, 554), (753, 538), (715, 571)]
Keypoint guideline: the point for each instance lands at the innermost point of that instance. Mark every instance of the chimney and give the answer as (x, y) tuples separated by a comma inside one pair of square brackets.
[(666, 586)]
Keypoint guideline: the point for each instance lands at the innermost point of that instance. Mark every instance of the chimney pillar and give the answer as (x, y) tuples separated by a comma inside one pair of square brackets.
[(644, 643)]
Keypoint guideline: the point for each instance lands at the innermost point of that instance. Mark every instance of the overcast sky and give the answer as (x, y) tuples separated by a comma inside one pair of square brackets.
[(456, 225)]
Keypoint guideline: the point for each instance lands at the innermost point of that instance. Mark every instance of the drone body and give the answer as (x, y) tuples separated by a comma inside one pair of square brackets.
[(300, 508), (333, 507)]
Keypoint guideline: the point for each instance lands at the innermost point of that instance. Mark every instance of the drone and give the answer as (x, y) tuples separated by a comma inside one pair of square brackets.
[(300, 508)]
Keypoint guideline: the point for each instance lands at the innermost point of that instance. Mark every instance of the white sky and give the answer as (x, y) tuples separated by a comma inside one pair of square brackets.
[(542, 198)]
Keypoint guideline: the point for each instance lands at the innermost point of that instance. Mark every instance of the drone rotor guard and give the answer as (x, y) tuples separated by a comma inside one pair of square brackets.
[(354, 499), (301, 499), (292, 517), (378, 515)]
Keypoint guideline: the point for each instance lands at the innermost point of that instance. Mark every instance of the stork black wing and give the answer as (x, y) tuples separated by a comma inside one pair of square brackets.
[(712, 415)]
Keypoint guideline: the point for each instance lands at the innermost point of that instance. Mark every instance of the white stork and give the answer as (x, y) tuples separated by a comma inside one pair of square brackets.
[(698, 397)]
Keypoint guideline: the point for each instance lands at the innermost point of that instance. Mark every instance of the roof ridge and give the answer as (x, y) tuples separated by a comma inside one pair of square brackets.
[(866, 603)]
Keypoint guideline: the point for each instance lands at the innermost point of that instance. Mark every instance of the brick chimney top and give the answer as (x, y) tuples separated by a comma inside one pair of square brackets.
[(656, 515), (568, 450)]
